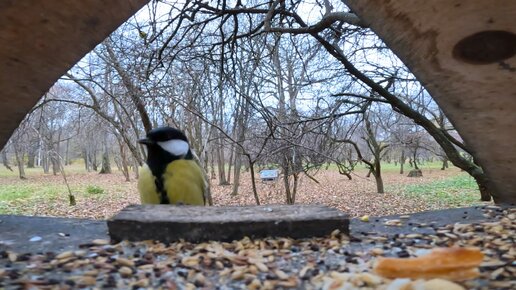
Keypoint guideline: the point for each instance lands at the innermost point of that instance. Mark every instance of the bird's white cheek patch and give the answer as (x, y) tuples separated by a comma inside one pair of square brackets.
[(175, 147)]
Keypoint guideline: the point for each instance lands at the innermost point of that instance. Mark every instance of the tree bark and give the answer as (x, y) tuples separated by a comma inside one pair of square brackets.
[(402, 161), (136, 168), (377, 172), (86, 157), (67, 153), (253, 181), (483, 184), (93, 159), (5, 160), (286, 182), (46, 163), (445, 163), (55, 166), (31, 154), (124, 164), (294, 189), (213, 174), (221, 166), (106, 164), (379, 183), (19, 161), (415, 159), (230, 163), (236, 176)]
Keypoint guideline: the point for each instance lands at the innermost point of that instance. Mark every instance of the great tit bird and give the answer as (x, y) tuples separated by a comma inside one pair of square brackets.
[(171, 175)]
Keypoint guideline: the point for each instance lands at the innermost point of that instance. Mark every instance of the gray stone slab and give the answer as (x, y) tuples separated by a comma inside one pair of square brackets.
[(224, 223)]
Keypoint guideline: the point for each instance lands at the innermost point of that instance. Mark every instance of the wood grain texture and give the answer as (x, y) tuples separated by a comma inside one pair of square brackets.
[(226, 223), (41, 40), (479, 97)]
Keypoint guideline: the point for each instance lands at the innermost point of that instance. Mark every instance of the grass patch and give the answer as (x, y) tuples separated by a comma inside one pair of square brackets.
[(76, 167), (457, 191), (25, 194), (94, 189)]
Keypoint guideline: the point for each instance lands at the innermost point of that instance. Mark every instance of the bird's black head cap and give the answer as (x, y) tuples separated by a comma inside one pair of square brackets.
[(162, 134)]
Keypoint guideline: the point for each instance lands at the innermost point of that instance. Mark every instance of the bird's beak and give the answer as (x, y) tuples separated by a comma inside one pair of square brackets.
[(146, 141)]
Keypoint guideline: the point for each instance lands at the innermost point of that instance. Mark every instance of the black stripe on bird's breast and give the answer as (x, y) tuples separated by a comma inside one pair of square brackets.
[(158, 160), (160, 188)]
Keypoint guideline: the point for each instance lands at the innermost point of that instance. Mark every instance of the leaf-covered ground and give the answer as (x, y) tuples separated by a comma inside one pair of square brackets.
[(100, 196)]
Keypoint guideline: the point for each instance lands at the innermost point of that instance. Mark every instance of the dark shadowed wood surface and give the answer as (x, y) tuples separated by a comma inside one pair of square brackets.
[(41, 40), (226, 223), (464, 52)]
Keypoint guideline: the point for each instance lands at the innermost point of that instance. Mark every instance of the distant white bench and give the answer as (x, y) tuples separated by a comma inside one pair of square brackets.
[(269, 174)]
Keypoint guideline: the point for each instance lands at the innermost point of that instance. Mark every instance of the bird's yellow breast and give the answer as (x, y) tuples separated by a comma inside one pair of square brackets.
[(182, 179)]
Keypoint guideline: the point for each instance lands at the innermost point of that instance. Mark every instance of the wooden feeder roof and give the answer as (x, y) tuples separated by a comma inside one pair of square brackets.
[(464, 53), (41, 40)]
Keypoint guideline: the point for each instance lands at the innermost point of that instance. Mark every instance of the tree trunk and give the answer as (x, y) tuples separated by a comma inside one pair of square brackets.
[(402, 161), (56, 156), (55, 165), (483, 184), (31, 154), (445, 164), (46, 163), (221, 166), (38, 157), (106, 164), (85, 158), (379, 182), (294, 189), (54, 159), (124, 164), (5, 160), (136, 168), (118, 163), (93, 160), (236, 176), (253, 181), (19, 162), (415, 160), (31, 157), (377, 172), (230, 163), (67, 153), (286, 182), (213, 174)]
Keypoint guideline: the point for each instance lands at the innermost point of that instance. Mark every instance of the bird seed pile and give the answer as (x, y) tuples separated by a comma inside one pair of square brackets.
[(334, 262)]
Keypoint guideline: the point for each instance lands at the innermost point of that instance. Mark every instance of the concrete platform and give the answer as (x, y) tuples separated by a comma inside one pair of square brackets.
[(59, 234), (49, 234)]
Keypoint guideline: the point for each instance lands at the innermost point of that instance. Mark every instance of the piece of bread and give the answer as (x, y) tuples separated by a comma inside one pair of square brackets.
[(454, 263)]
